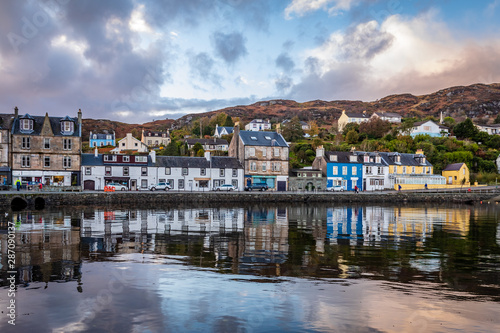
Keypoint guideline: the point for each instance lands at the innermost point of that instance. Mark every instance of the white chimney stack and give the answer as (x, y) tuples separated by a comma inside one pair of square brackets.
[(208, 156)]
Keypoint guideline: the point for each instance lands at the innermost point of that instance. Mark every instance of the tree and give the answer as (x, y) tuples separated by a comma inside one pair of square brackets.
[(349, 127), (292, 130), (406, 126), (313, 129), (229, 122), (172, 149), (465, 129), (196, 147), (497, 119), (352, 137), (449, 122), (375, 128)]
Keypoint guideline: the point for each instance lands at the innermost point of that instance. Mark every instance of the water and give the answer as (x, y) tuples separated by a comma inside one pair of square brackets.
[(255, 269)]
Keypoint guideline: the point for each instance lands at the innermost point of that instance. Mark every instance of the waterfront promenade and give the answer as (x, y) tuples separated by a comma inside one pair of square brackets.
[(41, 199)]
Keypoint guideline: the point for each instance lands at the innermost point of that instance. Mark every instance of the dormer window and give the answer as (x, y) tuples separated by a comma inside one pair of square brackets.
[(377, 159), (333, 158), (366, 159), (95, 136), (27, 124), (398, 159), (353, 158), (67, 126)]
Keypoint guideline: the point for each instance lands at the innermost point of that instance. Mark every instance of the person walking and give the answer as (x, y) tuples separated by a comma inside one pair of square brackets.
[(399, 188), (18, 184), (355, 189)]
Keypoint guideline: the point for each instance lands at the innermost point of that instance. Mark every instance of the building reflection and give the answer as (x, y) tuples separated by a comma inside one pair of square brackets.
[(47, 248)]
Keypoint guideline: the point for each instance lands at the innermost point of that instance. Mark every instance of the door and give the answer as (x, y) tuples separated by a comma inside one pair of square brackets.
[(281, 186), (89, 185), (133, 184)]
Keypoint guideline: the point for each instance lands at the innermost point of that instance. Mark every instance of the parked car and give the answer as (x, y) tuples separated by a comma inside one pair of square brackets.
[(160, 186), (117, 186), (257, 187), (336, 188), (226, 187)]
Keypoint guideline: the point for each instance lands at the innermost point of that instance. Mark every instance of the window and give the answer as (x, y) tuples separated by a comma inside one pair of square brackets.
[(354, 170), (264, 151), (170, 182), (126, 158), (368, 170), (412, 169), (26, 124), (101, 144), (123, 144), (67, 162), (377, 159), (150, 142), (144, 183), (184, 171), (167, 171), (253, 166), (353, 158), (107, 171), (46, 162), (46, 143), (108, 137), (395, 170), (276, 166), (404, 169), (235, 172), (333, 158), (88, 171), (109, 158), (144, 171), (335, 170), (463, 171), (181, 184), (366, 159), (221, 172), (234, 182), (67, 127), (125, 171), (380, 170), (344, 170), (141, 158), (25, 161), (26, 143), (276, 152), (203, 172), (135, 144), (67, 144), (251, 151), (264, 166)]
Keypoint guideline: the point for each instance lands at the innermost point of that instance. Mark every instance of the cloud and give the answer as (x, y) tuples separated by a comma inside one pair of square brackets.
[(202, 66), (229, 47), (302, 7), (283, 83), (284, 62), (416, 55)]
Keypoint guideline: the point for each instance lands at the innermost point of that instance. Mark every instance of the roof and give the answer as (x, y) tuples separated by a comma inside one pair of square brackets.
[(406, 159), (55, 124), (453, 167), (426, 121), (155, 133), (207, 141), (228, 129), (101, 136), (387, 114), (6, 120), (342, 157), (270, 139), (357, 115), (198, 162), (259, 121)]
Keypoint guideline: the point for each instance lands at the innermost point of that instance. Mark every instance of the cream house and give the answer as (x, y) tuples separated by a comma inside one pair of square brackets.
[(129, 143), (351, 117)]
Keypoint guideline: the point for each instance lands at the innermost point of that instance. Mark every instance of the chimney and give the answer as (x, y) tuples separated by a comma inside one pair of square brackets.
[(16, 112), (208, 156), (80, 116), (152, 153), (320, 151), (96, 153), (419, 152)]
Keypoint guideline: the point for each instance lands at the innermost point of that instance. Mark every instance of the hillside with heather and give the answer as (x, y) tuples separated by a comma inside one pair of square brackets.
[(480, 102)]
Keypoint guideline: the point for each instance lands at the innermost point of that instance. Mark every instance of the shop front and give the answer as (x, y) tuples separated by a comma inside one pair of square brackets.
[(269, 180), (47, 178)]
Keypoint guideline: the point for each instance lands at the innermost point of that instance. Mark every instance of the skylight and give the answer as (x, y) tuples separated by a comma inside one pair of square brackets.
[(268, 137), (253, 138)]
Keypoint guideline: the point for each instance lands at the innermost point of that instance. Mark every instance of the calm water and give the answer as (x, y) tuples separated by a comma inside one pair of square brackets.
[(255, 269)]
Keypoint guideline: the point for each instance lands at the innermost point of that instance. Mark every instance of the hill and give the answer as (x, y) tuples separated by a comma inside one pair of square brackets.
[(481, 102)]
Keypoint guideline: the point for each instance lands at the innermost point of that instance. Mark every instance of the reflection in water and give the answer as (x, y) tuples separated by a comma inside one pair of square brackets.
[(288, 268)]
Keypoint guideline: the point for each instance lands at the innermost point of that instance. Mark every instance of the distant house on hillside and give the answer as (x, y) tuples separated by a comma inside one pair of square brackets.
[(155, 138), (209, 144), (305, 126), (130, 144), (387, 116), (222, 130), (258, 125), (490, 129), (101, 139), (351, 117), (430, 128)]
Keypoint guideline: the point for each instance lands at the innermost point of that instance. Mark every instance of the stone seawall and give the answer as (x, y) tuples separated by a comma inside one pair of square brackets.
[(41, 200)]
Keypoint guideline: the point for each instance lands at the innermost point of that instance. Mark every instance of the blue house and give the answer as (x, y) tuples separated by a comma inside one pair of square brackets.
[(100, 140), (340, 168)]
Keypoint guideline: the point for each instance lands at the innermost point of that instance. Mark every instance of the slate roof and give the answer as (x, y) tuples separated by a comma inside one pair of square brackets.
[(55, 123), (372, 156), (157, 134), (269, 139), (342, 157), (357, 115), (228, 129), (387, 114), (406, 159), (198, 162), (207, 141), (453, 167), (6, 120), (101, 136)]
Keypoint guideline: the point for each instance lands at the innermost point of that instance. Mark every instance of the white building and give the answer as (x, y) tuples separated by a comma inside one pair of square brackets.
[(430, 128), (493, 129), (129, 143), (258, 125), (387, 116)]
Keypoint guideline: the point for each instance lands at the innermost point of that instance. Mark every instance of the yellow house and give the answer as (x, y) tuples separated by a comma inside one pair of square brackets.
[(456, 174), (351, 117)]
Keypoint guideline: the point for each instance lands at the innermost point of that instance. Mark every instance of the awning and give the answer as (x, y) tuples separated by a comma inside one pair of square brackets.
[(120, 179), (202, 179)]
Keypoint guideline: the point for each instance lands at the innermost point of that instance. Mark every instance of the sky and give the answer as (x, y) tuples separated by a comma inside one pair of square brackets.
[(141, 60)]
